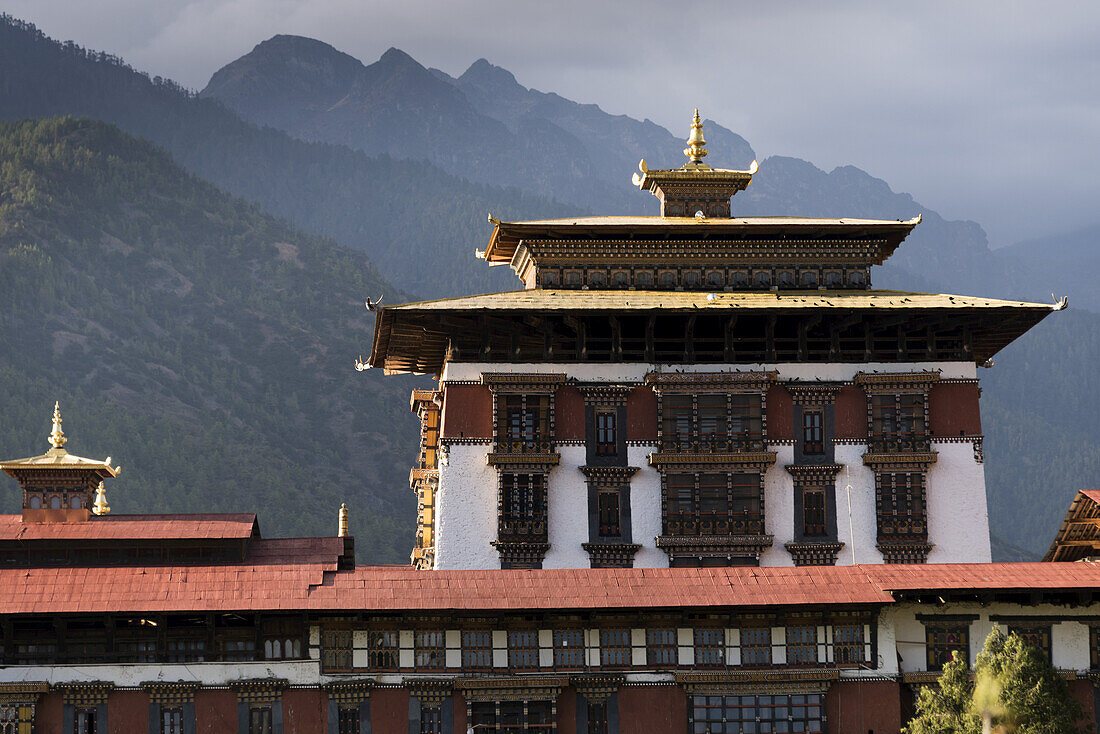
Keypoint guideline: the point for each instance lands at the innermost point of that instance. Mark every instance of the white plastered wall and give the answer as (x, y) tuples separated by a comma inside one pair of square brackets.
[(467, 500)]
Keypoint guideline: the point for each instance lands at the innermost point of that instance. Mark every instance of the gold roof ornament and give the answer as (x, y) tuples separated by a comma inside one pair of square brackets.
[(57, 436), (695, 150), (101, 507), (343, 532)]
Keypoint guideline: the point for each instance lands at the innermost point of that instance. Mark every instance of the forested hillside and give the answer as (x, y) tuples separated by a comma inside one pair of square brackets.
[(203, 344)]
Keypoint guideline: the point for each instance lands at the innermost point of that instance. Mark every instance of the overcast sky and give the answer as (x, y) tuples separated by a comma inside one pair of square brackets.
[(982, 110)]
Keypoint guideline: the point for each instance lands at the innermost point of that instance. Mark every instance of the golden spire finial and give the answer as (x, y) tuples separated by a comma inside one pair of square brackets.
[(101, 507), (343, 519), (695, 150), (57, 438)]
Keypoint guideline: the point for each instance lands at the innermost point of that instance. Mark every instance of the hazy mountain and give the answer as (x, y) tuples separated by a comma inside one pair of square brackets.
[(202, 343)]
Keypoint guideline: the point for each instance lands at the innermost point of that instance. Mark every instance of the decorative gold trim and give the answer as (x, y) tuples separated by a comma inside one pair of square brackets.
[(813, 474), (349, 692), (901, 462), (874, 382), (536, 382), (432, 692), (756, 381), (259, 690), (597, 688), (519, 688), (755, 460), (608, 476), (523, 461), (170, 693), (85, 693)]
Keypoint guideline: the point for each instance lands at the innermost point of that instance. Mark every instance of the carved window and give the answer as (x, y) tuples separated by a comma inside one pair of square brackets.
[(661, 648), (186, 650), (549, 278), (712, 422), (1036, 636), (336, 649), (609, 514), (739, 278), (523, 649), (691, 279), (512, 717), (809, 279), (643, 279), (429, 651), (813, 512), (382, 649), (786, 278), (569, 648), (832, 279), (802, 712), (848, 644), (523, 500), (667, 279), (756, 646), (348, 720), (55, 502), (944, 639), (713, 504), (615, 648), (897, 422), (477, 649), (901, 511), (620, 278), (856, 278), (84, 720), (606, 434), (523, 424), (35, 502), (762, 278), (801, 644), (171, 720), (596, 715), (16, 718), (76, 502), (260, 720), (714, 278), (597, 278), (282, 639), (813, 432), (573, 278), (431, 720), (710, 646)]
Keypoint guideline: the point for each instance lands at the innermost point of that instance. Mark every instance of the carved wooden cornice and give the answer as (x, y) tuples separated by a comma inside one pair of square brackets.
[(813, 474), (608, 476), (786, 681), (903, 552), (605, 396), (900, 462), (714, 544), (521, 553), (259, 690), (814, 394), (597, 688), (170, 693), (806, 553), (540, 688), (879, 382), (432, 692), (349, 692), (758, 461), (670, 382), (85, 693), (611, 555), (523, 462), (512, 382)]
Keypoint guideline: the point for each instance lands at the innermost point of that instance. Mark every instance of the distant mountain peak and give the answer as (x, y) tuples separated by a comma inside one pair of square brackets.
[(485, 74), (395, 57)]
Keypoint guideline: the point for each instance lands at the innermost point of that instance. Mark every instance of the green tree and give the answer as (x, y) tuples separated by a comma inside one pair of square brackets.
[(1012, 685)]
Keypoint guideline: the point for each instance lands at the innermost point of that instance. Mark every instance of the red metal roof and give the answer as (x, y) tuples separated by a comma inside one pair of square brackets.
[(133, 527), (315, 585), (1092, 494)]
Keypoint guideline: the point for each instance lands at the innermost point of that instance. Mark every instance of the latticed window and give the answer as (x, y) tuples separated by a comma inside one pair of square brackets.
[(943, 639), (171, 720), (900, 506), (713, 504), (717, 422), (347, 720), (661, 648), (16, 718), (848, 644), (758, 714), (710, 646), (429, 649), (897, 422), (186, 650), (431, 720), (606, 436), (477, 649), (569, 648), (597, 718), (523, 496), (813, 511), (260, 720), (336, 651), (756, 646), (607, 506), (235, 648), (282, 639), (615, 647), (801, 645), (523, 649), (813, 432), (136, 651), (382, 649), (1034, 635), (84, 720), (523, 423)]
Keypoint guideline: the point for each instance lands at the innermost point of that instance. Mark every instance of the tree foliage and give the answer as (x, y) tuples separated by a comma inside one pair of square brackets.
[(1012, 684)]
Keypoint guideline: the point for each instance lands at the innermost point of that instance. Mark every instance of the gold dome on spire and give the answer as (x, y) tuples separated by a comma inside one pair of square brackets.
[(57, 437), (695, 150)]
